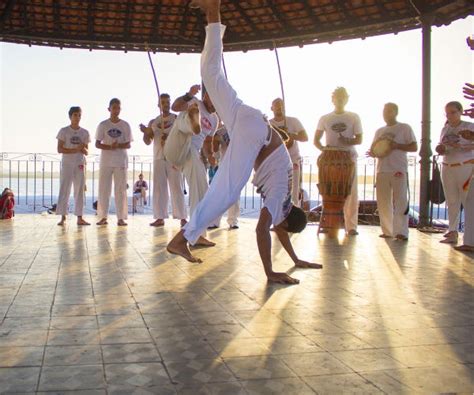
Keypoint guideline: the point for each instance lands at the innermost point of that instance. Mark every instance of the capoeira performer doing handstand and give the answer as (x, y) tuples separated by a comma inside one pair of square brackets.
[(73, 143), (253, 144), (186, 140)]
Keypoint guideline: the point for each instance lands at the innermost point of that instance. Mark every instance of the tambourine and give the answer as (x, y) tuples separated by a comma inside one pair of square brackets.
[(381, 148), (450, 139)]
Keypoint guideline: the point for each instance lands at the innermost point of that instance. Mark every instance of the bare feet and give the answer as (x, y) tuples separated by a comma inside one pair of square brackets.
[(203, 242), (121, 222), (401, 237), (308, 265), (183, 222), (179, 246), (158, 222), (81, 222), (103, 221), (281, 278), (62, 222), (384, 236)]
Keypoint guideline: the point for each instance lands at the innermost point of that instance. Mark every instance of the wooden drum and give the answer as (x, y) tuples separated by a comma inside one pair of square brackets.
[(336, 174)]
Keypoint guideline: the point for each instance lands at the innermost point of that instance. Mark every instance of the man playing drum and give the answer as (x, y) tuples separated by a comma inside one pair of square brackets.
[(253, 145), (343, 130), (392, 172)]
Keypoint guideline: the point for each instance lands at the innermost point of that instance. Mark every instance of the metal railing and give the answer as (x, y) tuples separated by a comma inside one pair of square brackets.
[(34, 178)]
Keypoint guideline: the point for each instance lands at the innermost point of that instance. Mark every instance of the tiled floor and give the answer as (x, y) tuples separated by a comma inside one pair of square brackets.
[(107, 310)]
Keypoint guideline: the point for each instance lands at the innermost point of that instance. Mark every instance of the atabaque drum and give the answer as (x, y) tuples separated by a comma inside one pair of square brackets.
[(336, 173)]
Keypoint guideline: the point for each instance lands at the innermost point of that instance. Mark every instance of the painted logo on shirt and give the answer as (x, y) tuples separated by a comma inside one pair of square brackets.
[(339, 127), (206, 124), (114, 133), (75, 140)]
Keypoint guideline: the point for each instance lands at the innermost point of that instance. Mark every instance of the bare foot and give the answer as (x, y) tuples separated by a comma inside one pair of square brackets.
[(308, 265), (121, 222), (103, 221), (179, 246), (384, 236), (62, 222), (80, 221), (183, 222), (282, 278), (203, 242), (158, 222)]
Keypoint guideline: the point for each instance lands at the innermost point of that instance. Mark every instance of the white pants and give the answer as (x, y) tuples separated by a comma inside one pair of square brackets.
[(295, 189), (119, 175), (351, 205), (392, 201), (455, 185), (71, 175), (248, 133), (469, 216), (232, 215), (195, 173), (164, 174)]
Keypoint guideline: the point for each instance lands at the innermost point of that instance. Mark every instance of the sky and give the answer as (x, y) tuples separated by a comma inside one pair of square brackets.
[(39, 84)]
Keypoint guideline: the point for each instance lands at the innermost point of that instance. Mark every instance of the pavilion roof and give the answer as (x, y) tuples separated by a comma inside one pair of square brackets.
[(171, 26)]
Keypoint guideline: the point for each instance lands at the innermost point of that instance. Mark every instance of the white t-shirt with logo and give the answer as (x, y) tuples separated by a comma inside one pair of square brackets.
[(109, 132), (396, 160), (72, 138), (209, 122), (293, 126), (159, 129), (346, 124), (457, 155), (274, 179)]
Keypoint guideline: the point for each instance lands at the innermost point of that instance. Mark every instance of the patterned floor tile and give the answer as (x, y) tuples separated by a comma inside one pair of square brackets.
[(120, 353), (260, 367), (21, 356), (124, 335), (57, 378), (72, 355), (277, 386), (19, 379), (350, 383), (137, 375), (313, 364), (73, 337), (233, 388)]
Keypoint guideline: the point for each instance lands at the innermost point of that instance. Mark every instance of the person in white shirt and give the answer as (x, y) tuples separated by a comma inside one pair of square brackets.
[(193, 168), (164, 173), (73, 144), (215, 152), (296, 132), (458, 164), (113, 137), (253, 144), (343, 129), (392, 174)]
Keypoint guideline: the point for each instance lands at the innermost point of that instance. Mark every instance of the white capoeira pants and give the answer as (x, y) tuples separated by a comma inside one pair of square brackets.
[(455, 185), (71, 175), (248, 133), (469, 216), (392, 201), (295, 189), (164, 174), (232, 215), (119, 175), (351, 206)]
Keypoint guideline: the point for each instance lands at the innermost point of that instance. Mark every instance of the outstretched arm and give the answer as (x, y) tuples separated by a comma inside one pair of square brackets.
[(264, 242), (181, 103), (286, 243)]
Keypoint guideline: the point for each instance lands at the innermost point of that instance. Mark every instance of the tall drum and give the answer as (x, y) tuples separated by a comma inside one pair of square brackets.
[(336, 174)]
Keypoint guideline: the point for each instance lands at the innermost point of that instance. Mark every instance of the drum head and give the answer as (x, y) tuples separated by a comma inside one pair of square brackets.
[(381, 148)]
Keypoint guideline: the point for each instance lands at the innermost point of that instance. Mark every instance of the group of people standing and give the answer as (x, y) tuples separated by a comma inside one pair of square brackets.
[(203, 129)]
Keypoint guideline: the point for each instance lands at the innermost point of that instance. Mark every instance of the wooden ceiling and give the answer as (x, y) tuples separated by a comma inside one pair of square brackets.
[(171, 26)]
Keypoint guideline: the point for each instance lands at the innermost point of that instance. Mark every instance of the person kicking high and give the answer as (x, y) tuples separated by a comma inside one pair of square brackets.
[(253, 145)]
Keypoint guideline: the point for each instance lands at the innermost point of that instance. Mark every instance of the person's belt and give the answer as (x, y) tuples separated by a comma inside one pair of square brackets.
[(470, 161)]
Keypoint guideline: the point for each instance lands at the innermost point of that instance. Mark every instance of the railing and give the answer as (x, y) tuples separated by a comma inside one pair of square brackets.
[(34, 178)]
